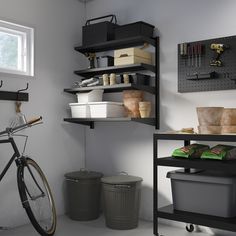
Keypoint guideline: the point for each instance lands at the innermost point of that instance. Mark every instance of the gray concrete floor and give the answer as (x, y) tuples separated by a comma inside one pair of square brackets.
[(97, 228)]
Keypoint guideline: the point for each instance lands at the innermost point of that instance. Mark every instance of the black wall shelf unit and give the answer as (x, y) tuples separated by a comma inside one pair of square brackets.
[(168, 212), (113, 45)]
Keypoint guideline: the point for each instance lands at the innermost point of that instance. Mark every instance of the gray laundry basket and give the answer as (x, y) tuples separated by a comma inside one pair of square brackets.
[(121, 201), (83, 195)]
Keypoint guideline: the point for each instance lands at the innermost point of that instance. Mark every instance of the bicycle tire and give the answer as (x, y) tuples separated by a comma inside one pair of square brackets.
[(27, 200)]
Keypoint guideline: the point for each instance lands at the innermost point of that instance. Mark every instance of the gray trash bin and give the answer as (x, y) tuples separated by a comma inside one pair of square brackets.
[(83, 194), (121, 201)]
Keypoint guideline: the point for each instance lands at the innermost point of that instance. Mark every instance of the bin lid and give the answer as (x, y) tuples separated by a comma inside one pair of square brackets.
[(83, 174), (204, 177), (121, 179)]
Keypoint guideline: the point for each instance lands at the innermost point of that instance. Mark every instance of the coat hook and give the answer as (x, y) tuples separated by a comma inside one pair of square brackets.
[(1, 84), (21, 90)]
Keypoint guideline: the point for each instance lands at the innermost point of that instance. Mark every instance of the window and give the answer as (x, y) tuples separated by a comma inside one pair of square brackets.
[(16, 49)]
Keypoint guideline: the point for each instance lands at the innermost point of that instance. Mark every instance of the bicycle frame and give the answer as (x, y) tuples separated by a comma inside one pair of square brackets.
[(15, 156)]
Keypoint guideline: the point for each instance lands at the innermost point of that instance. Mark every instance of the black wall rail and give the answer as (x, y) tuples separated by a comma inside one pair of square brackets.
[(14, 96)]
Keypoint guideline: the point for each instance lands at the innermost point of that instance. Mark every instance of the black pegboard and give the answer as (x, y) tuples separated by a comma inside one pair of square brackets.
[(222, 78)]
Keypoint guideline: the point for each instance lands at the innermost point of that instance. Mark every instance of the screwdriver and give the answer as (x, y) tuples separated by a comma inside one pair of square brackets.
[(192, 53), (196, 54), (189, 53), (199, 54)]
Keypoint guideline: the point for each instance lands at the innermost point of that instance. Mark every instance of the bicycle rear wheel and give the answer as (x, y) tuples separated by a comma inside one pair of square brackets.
[(36, 197)]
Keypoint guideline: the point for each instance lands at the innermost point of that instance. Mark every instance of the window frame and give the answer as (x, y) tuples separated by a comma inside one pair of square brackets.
[(27, 35)]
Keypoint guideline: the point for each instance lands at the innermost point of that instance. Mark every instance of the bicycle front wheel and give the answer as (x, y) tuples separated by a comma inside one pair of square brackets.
[(36, 197)]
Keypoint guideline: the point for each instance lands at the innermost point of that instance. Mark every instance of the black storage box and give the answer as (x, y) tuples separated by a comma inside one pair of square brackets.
[(99, 32), (105, 61), (139, 28), (138, 79)]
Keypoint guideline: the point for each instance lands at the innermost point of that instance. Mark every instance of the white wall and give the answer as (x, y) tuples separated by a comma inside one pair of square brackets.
[(128, 147), (58, 147)]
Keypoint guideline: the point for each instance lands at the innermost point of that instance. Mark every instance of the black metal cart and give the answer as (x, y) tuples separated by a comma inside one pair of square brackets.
[(168, 212)]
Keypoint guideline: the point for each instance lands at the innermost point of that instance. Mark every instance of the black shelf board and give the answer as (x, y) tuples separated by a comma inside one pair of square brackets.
[(115, 69), (196, 137), (169, 213), (227, 166), (113, 88), (116, 44), (90, 121)]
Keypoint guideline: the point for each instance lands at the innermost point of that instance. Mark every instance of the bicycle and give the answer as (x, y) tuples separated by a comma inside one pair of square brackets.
[(34, 190)]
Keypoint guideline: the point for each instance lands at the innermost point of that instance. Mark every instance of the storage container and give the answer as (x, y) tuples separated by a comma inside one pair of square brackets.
[(106, 109), (132, 56), (229, 117), (205, 192), (80, 110), (134, 29), (121, 201), (99, 32), (83, 189), (93, 96), (105, 61), (137, 78)]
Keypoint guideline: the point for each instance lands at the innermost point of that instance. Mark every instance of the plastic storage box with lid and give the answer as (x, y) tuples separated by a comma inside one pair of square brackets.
[(139, 28), (205, 192), (80, 110), (83, 190), (99, 32), (121, 201), (106, 109), (92, 96), (129, 56)]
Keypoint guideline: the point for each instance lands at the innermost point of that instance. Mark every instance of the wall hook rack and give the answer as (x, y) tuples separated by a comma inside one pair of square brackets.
[(14, 96)]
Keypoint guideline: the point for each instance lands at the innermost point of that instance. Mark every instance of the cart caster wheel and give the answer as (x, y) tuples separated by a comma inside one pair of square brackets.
[(190, 228)]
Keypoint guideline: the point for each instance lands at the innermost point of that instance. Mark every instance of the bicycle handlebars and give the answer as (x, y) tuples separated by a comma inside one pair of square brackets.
[(28, 124)]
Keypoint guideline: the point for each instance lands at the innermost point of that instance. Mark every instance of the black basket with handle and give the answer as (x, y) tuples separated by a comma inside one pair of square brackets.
[(99, 32)]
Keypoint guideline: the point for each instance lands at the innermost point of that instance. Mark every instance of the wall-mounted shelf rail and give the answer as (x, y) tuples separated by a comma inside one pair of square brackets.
[(225, 166), (14, 96)]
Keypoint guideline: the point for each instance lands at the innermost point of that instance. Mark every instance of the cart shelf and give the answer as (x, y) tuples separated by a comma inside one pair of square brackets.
[(169, 213), (227, 166)]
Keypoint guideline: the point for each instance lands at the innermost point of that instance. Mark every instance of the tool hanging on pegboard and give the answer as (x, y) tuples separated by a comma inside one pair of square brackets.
[(191, 53), (218, 49)]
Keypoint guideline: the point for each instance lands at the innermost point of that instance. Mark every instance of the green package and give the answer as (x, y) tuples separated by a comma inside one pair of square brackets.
[(191, 151), (220, 152)]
